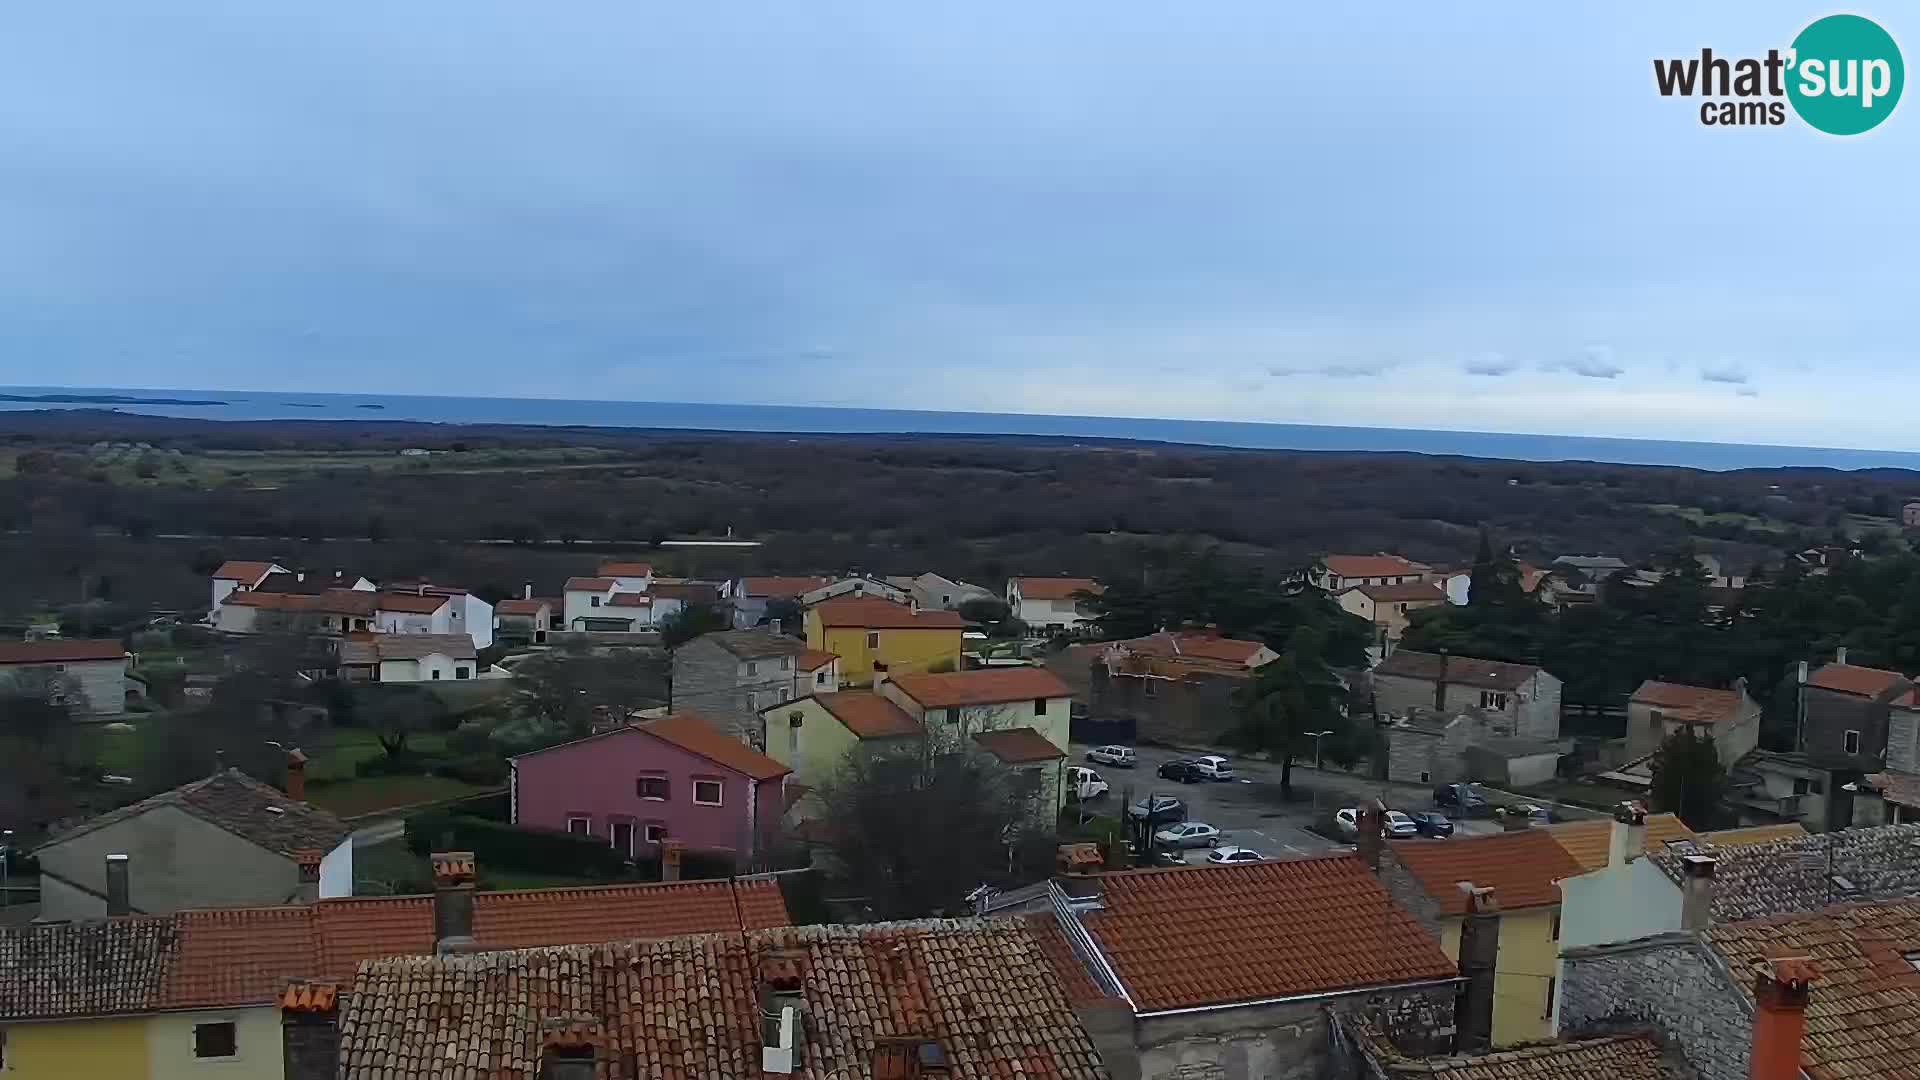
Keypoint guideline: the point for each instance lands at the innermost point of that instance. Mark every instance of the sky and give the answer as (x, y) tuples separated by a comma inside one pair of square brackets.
[(1385, 215)]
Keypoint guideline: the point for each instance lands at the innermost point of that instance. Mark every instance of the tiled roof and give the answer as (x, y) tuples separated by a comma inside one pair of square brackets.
[(867, 714), (84, 968), (1520, 866), (987, 686), (687, 1007), (1759, 880), (1362, 566), (61, 652), (241, 805), (411, 603), (380, 647), (330, 602), (1863, 1016), (589, 584), (1214, 935), (1754, 834), (1694, 704), (689, 592), (309, 584), (626, 569), (814, 659), (1465, 670), (695, 735), (630, 599), (760, 643), (1018, 746), (523, 606), (1608, 1057), (1190, 645), (875, 613), (1894, 787), (242, 570), (1589, 841), (1055, 588), (1854, 679), (780, 588), (1044, 928), (1406, 593)]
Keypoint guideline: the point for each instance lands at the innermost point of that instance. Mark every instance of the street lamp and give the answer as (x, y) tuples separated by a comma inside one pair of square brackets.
[(1317, 735)]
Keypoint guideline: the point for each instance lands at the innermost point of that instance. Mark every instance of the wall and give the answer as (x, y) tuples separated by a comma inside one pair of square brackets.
[(579, 605), (77, 1050), (1830, 715), (596, 778), (407, 622), (1054, 723), (1615, 904), (1531, 770), (1287, 1041), (169, 1038), (1671, 983), (823, 741), (903, 651), (336, 870), (1903, 740), (177, 861), (1192, 711), (425, 668), (101, 684), (710, 681), (1522, 974), (476, 619)]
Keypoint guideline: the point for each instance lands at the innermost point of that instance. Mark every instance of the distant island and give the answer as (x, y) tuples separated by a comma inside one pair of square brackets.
[(105, 399), (368, 406)]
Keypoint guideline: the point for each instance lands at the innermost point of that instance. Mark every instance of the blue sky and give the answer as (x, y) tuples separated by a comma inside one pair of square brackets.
[(1399, 216)]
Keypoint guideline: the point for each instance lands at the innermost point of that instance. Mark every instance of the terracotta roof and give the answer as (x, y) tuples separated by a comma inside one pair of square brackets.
[(1695, 704), (630, 599), (760, 643), (1465, 670), (987, 686), (242, 570), (1900, 788), (241, 805), (1363, 566), (1520, 866), (1807, 874), (1754, 834), (867, 714), (330, 602), (688, 592), (1044, 928), (61, 652), (875, 613), (1589, 841), (378, 647), (1018, 746), (814, 659), (1613, 1057), (1863, 1017), (589, 584), (687, 1007), (1215, 935), (1405, 593), (310, 584), (625, 569), (780, 588), (524, 606), (695, 735), (84, 968), (1854, 679), (1055, 588), (412, 603), (1191, 644)]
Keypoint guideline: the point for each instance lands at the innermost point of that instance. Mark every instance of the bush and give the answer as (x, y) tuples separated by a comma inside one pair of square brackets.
[(483, 769), (515, 847)]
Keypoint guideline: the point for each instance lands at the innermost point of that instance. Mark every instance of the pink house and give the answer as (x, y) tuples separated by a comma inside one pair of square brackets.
[(672, 778)]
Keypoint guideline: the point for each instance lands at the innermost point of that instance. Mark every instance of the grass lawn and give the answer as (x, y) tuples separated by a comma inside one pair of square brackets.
[(334, 757), (350, 798), (390, 862)]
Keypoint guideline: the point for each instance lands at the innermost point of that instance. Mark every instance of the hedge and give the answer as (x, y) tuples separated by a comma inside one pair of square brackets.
[(546, 851)]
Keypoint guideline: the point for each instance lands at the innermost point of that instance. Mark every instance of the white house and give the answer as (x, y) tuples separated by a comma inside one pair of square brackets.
[(340, 611), (600, 605), (239, 574), (91, 676), (1047, 604), (409, 658), (856, 586), (630, 576), (936, 592)]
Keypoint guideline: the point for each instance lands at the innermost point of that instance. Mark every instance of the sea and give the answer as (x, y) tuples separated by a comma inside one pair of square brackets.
[(810, 419)]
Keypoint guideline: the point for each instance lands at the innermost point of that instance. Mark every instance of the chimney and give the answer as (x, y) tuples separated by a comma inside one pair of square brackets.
[(119, 898), (670, 854), (308, 860), (1803, 673), (219, 762), (296, 775), (1372, 823), (782, 1014), (568, 1048), (310, 1030), (1479, 956), (300, 575), (1440, 684), (1780, 990), (1628, 840), (526, 591), (453, 873), (1696, 891), (1840, 655)]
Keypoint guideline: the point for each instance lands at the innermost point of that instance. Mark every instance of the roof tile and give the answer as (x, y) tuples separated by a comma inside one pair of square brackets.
[(876, 613), (1520, 866), (1193, 645), (242, 570), (1018, 746), (986, 686), (1614, 1057), (780, 588), (1362, 566), (1758, 880), (1055, 588), (61, 652), (868, 715), (1696, 704), (1854, 679), (1465, 670), (1590, 841), (241, 805)]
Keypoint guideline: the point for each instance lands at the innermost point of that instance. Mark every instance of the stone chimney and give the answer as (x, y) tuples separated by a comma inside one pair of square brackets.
[(671, 852), (219, 762), (1628, 839), (453, 874), (1781, 986), (308, 861), (119, 887), (1696, 891), (296, 775), (1479, 957), (1372, 823), (310, 1030)]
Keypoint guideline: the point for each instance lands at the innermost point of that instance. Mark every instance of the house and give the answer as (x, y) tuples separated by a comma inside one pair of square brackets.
[(1637, 1056), (1469, 744), (1386, 607), (299, 582), (817, 671), (89, 675), (730, 675), (638, 786), (1521, 867), (1768, 787), (885, 1001), (252, 993), (1521, 694), (938, 593), (965, 703), (1037, 767), (869, 635), (227, 840), (464, 613), (1591, 841), (1657, 710), (672, 597), (1845, 712), (1334, 573), (629, 576), (1575, 580), (1240, 971), (1892, 797), (813, 735), (333, 611), (1910, 514), (599, 605), (751, 595), (408, 658), (1818, 561), (1051, 605), (1171, 687), (239, 574), (856, 585), (526, 620)]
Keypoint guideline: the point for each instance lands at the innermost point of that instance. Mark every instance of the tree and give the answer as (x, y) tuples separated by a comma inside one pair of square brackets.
[(690, 622), (787, 615), (397, 713), (1688, 778), (1495, 582), (1286, 699), (36, 747), (985, 611), (915, 824), (562, 694)]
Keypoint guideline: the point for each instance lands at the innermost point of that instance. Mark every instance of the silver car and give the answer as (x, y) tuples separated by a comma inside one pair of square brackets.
[(1188, 834), (1120, 757)]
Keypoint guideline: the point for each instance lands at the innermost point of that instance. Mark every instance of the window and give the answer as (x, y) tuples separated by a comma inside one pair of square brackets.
[(1802, 785), (652, 787), (594, 601), (793, 738), (873, 641), (1426, 778), (820, 679), (706, 792), (1551, 983), (436, 674), (1039, 706), (622, 838), (462, 673), (579, 826), (1491, 700), (753, 701), (786, 663), (782, 693), (952, 716), (1851, 742), (753, 668), (215, 1040), (1554, 931), (655, 833)]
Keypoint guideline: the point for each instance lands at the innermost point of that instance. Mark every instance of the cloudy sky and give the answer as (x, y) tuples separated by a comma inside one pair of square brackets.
[(1398, 217)]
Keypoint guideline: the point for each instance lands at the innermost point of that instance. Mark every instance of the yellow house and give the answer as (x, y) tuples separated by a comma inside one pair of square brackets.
[(814, 734), (967, 703), (871, 634), (1522, 868)]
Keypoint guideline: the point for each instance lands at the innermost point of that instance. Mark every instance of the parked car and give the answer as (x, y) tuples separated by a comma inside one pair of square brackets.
[(1536, 815), (1466, 798), (1182, 770), (1158, 808), (1400, 826), (1084, 784), (1214, 767), (1233, 855), (1189, 834), (1347, 821), (1120, 757), (1431, 823)]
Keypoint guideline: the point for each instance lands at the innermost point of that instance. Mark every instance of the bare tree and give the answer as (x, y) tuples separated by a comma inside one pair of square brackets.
[(567, 693)]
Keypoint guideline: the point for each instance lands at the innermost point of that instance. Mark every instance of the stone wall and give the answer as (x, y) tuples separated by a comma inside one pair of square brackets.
[(1407, 891), (1288, 1041), (1672, 982)]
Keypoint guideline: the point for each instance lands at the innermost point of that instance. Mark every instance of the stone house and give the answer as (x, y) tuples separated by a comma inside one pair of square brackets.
[(1731, 718), (729, 676), (88, 676), (1386, 607), (1524, 695), (1845, 712), (1173, 687), (1428, 747)]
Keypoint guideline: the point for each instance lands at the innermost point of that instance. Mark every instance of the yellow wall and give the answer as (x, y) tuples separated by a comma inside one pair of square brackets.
[(823, 741), (1522, 998), (75, 1049), (903, 651), (256, 1039)]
